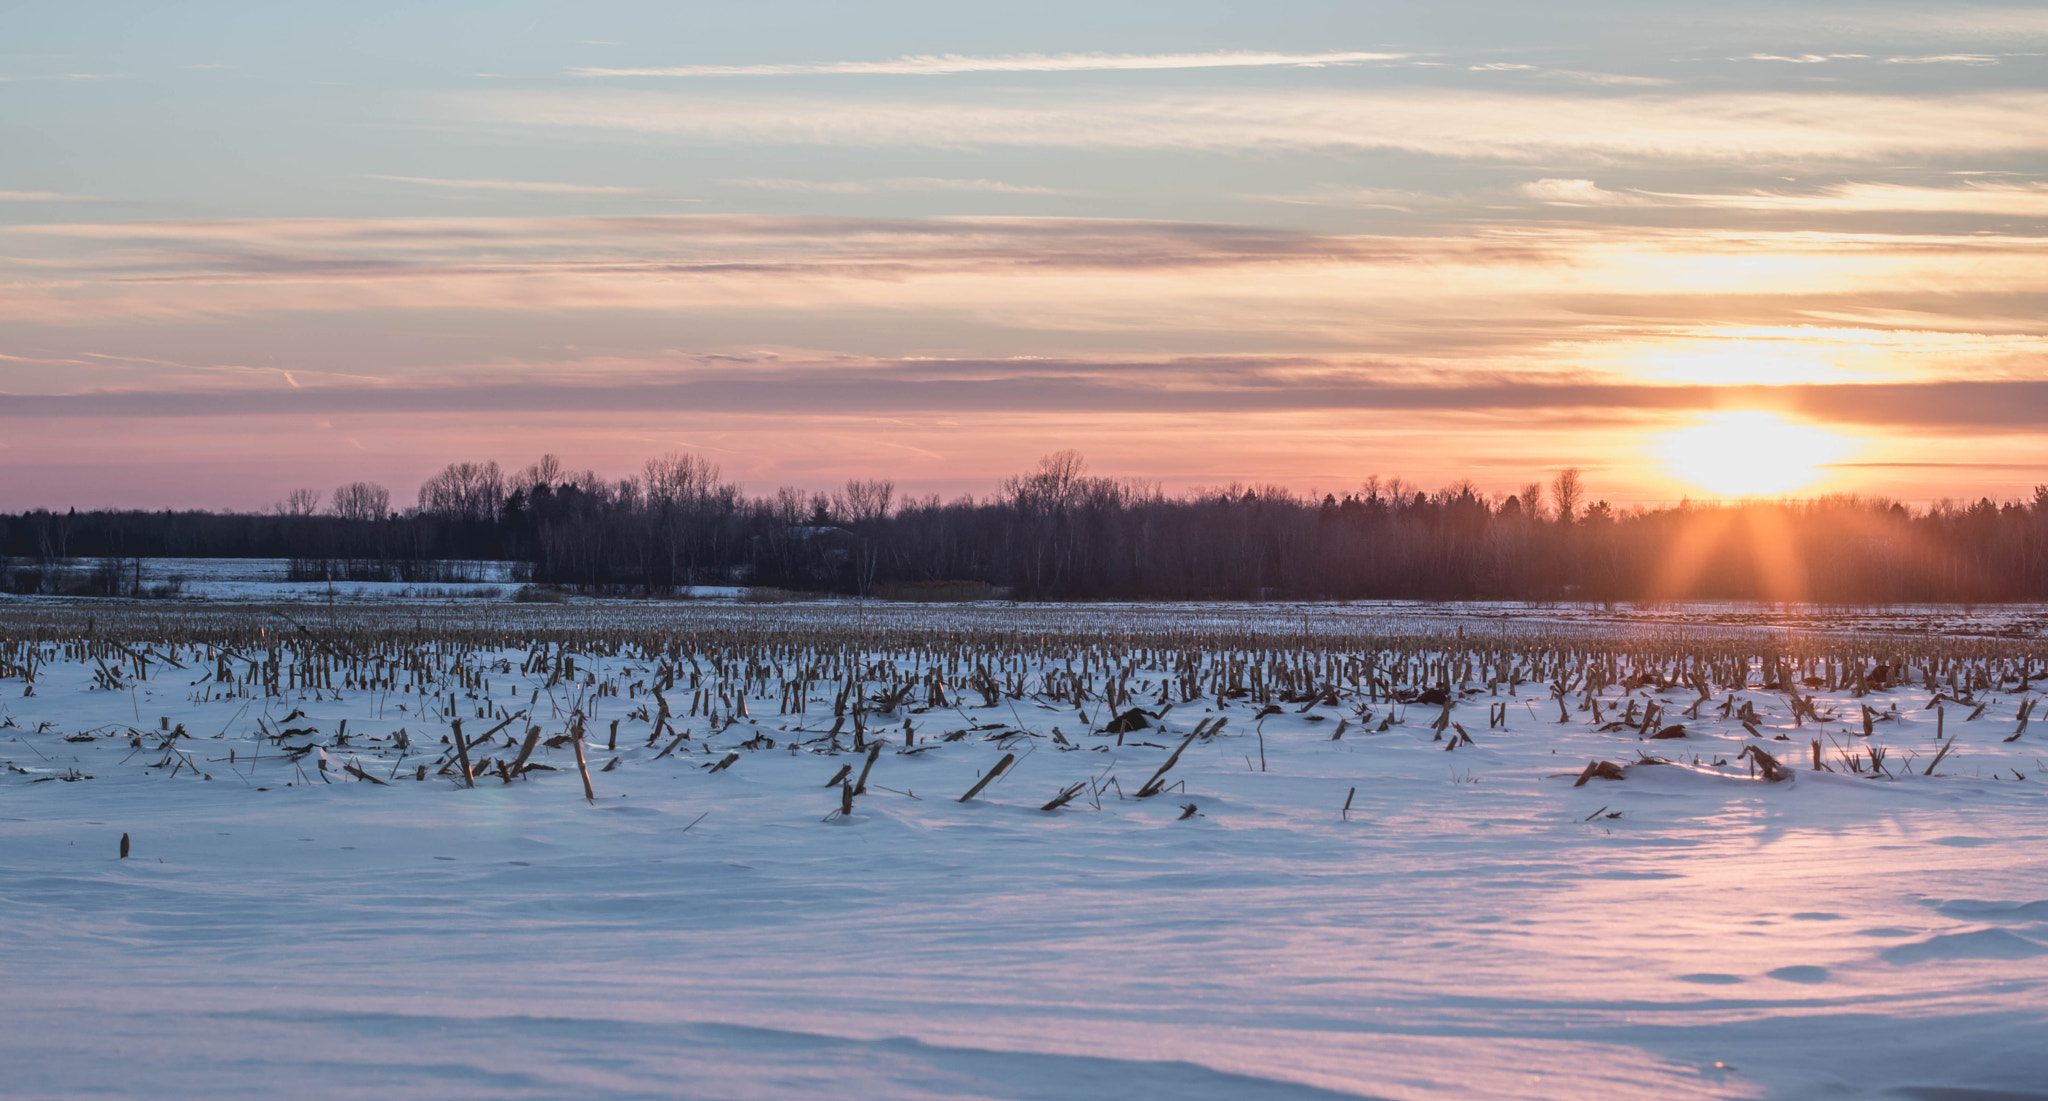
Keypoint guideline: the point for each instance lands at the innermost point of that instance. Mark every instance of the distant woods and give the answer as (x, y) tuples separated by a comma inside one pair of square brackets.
[(1057, 531)]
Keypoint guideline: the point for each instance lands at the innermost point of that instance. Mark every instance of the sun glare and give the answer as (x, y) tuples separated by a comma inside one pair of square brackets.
[(1750, 454), (1739, 363)]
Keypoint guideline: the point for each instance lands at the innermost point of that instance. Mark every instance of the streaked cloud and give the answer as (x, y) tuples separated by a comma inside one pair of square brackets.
[(1360, 198), (1964, 19), (2011, 199), (637, 256), (1945, 59), (1575, 76), (951, 64), (1467, 247), (1064, 386), (529, 186), (955, 439), (1557, 192), (892, 184), (1801, 59), (1584, 303), (1725, 127), (6, 78), (2024, 200), (1873, 20), (1578, 76)]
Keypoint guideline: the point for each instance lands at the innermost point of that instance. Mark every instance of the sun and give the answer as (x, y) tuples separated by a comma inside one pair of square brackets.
[(1749, 454)]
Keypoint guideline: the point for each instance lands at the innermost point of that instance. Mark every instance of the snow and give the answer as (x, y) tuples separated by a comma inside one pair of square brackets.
[(268, 581), (1475, 927), (242, 581)]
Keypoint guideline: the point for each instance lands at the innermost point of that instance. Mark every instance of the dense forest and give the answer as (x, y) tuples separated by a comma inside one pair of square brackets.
[(1059, 532)]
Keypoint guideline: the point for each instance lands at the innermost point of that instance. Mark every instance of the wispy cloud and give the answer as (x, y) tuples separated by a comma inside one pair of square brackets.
[(949, 64), (1801, 59), (1558, 192), (897, 183), (6, 78), (1508, 298), (1895, 25), (1108, 387), (1085, 328), (2015, 200), (1721, 127), (1975, 22), (40, 197), (2024, 200), (1359, 198), (531, 186), (1945, 59), (1618, 80), (1574, 76)]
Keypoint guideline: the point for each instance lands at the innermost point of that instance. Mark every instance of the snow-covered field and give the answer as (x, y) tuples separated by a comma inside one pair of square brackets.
[(269, 580), (1473, 926), (184, 582)]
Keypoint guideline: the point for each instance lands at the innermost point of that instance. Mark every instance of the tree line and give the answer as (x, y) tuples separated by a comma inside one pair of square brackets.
[(1057, 531)]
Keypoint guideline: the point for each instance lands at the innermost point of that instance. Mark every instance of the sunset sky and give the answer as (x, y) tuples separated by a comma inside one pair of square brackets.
[(1694, 249)]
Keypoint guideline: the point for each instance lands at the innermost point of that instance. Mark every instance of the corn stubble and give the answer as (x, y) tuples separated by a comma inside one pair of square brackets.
[(829, 688)]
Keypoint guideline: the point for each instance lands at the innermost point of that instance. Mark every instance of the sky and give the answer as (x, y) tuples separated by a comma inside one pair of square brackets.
[(1694, 250)]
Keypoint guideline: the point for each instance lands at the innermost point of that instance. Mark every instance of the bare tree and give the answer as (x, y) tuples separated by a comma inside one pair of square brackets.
[(1565, 491), (299, 502), (1053, 489), (675, 479), (1058, 531), (686, 507), (627, 494), (546, 472), (361, 501), (788, 506), (470, 491), (866, 501)]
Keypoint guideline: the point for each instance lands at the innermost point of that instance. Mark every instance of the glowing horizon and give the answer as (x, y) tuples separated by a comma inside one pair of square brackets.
[(1749, 454), (240, 256)]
